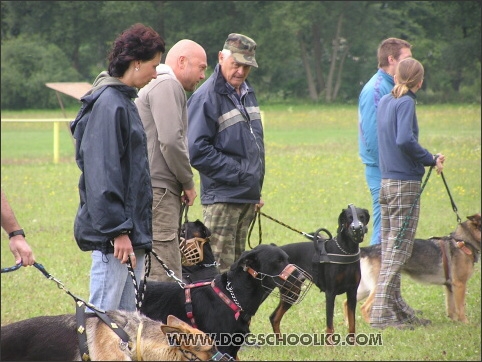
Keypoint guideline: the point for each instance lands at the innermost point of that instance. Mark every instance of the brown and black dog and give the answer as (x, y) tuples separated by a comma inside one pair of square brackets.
[(447, 261), (54, 338)]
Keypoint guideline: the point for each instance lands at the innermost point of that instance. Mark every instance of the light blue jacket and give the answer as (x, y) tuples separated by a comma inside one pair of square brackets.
[(380, 84)]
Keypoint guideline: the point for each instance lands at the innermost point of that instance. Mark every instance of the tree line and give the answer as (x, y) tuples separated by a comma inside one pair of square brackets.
[(308, 51)]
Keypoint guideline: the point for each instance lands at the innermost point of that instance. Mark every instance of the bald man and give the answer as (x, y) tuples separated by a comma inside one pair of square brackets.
[(162, 105)]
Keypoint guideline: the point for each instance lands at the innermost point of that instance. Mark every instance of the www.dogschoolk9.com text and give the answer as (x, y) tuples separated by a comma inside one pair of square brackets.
[(271, 339)]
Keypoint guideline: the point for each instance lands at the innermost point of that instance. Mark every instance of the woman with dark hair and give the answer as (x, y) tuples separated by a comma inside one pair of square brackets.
[(402, 165), (114, 219)]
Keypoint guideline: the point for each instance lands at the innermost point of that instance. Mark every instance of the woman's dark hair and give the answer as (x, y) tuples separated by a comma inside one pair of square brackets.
[(139, 42)]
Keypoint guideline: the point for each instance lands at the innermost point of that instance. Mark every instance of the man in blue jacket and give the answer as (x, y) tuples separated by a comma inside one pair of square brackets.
[(390, 52), (226, 146)]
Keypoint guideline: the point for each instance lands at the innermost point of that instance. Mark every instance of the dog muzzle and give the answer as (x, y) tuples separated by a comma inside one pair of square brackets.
[(357, 228), (191, 251), (293, 283)]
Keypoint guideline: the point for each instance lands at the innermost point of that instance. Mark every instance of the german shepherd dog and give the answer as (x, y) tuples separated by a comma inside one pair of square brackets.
[(447, 260), (225, 305), (54, 338), (337, 272)]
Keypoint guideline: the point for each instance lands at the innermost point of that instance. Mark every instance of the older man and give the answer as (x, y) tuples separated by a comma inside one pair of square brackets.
[(162, 105), (226, 146)]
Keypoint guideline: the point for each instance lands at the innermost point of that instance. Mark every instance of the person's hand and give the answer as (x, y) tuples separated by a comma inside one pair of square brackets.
[(189, 196), (21, 250), (123, 249), (259, 205), (439, 164)]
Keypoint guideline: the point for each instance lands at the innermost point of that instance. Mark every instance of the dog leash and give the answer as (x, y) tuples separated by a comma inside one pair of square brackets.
[(60, 285), (400, 234), (130, 269), (184, 210), (277, 221), (147, 268), (454, 207), (80, 312), (257, 214), (147, 264)]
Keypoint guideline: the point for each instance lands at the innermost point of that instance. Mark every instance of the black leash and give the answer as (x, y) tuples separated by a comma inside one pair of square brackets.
[(12, 268), (147, 268), (257, 214), (80, 312), (184, 210), (454, 207), (130, 269), (147, 263), (60, 285), (277, 221), (398, 240)]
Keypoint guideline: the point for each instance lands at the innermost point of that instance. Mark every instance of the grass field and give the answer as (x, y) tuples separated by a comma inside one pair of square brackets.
[(313, 172)]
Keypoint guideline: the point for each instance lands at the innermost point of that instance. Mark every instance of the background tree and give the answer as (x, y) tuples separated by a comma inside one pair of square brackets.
[(317, 51), (27, 64)]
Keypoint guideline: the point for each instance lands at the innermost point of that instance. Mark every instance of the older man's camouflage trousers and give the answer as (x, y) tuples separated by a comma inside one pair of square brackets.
[(229, 224)]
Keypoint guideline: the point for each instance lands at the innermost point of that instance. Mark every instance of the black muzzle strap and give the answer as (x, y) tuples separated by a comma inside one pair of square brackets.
[(356, 225)]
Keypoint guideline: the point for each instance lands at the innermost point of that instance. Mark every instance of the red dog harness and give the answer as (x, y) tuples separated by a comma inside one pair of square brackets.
[(219, 292)]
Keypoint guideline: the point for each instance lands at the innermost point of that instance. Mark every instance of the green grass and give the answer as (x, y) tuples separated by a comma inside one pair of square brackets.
[(313, 171)]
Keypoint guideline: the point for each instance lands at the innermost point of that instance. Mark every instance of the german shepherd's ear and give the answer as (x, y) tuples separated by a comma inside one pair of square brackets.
[(173, 321), (475, 218), (174, 325)]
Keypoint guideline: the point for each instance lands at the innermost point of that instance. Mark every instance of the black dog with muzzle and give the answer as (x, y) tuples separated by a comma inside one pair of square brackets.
[(224, 306), (334, 264)]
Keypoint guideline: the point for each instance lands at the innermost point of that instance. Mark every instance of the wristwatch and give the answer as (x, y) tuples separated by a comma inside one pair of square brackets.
[(15, 233)]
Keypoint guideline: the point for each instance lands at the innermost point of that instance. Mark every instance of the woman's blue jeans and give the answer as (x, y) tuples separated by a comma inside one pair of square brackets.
[(111, 285)]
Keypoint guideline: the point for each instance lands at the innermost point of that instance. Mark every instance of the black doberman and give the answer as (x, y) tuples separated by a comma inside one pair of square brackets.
[(334, 264), (224, 306)]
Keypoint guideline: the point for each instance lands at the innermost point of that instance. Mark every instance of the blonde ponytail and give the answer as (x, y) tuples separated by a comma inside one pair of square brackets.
[(408, 74)]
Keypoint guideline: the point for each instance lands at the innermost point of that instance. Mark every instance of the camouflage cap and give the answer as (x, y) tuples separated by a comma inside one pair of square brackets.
[(243, 48)]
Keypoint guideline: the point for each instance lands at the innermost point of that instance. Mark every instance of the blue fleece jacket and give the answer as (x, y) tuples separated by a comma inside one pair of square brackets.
[(401, 156), (380, 84)]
